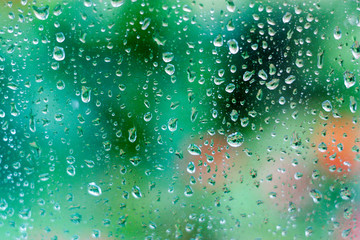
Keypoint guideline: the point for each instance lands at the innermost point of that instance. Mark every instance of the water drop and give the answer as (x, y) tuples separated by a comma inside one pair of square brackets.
[(117, 3), (235, 139), (136, 192), (355, 49), (60, 37), (3, 204), (170, 69), (194, 149), (353, 104), (322, 147), (262, 74), (145, 23), (230, 5), (315, 195), (247, 75), (94, 189), (273, 84), (70, 170), (233, 46), (345, 193), (41, 13), (85, 94), (290, 79), (191, 167), (60, 85), (172, 124), (326, 105), (337, 33), (132, 134), (58, 53), (349, 79), (167, 56), (230, 88), (287, 17), (218, 41), (147, 117), (188, 191)]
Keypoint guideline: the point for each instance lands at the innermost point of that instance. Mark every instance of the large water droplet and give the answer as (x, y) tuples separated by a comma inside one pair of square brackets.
[(132, 135), (353, 104), (41, 13), (193, 149), (218, 41), (172, 124), (287, 17), (145, 23), (230, 5), (233, 46), (170, 69), (235, 139), (191, 167), (117, 3), (167, 56), (58, 53), (349, 79), (94, 189), (337, 33), (355, 49), (322, 147), (315, 195), (3, 204), (290, 79), (85, 94), (70, 170), (273, 84), (326, 105), (136, 192)]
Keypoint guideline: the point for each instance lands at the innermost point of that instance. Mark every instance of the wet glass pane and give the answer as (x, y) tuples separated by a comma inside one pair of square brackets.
[(187, 119)]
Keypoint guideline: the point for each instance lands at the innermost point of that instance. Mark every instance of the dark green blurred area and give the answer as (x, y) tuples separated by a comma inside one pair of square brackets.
[(100, 101)]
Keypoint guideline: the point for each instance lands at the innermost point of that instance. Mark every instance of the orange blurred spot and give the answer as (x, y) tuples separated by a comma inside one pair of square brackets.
[(338, 146)]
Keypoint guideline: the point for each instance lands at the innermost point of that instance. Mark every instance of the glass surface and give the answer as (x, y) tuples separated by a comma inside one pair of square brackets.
[(187, 119)]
